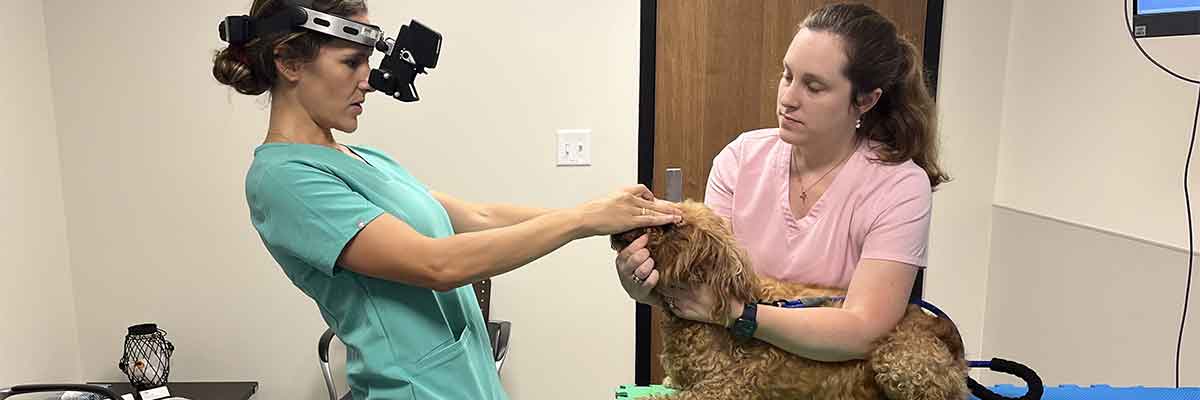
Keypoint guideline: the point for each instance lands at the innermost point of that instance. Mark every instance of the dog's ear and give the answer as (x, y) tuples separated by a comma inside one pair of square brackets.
[(675, 258), (726, 270)]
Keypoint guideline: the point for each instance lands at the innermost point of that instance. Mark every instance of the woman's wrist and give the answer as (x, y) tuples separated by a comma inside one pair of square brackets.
[(653, 300), (577, 219)]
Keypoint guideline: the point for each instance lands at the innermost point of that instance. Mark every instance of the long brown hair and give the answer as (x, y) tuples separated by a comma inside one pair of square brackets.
[(881, 58), (250, 68)]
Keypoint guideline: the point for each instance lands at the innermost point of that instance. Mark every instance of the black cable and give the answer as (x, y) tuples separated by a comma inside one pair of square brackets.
[(1186, 195), (1188, 291)]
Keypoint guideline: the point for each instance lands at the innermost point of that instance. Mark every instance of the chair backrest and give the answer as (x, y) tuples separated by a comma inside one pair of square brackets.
[(918, 290), (483, 292), (323, 355), (498, 331)]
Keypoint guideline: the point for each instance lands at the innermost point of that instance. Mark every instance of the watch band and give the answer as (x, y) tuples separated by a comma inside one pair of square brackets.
[(744, 326)]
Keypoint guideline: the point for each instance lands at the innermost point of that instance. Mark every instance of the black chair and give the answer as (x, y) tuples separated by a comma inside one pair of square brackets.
[(498, 333), (918, 289)]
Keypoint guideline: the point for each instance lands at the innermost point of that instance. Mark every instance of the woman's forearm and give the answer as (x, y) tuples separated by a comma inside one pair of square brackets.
[(468, 216), (502, 215), (470, 257), (823, 334)]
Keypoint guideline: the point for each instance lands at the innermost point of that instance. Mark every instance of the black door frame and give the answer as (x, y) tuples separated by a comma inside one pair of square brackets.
[(649, 29)]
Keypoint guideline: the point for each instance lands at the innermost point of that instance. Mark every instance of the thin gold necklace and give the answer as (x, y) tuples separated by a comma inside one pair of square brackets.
[(800, 177)]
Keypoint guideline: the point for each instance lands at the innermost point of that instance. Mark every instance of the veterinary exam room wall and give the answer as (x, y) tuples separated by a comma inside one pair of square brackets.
[(153, 188), (969, 126), (1089, 242), (38, 341), (154, 182)]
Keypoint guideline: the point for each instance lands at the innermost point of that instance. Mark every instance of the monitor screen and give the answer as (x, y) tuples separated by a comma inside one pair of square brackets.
[(1154, 18), (1145, 7)]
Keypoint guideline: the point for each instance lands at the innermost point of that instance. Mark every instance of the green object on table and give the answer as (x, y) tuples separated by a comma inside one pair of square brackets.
[(636, 392)]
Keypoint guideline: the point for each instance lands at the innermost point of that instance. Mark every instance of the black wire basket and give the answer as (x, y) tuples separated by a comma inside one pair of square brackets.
[(147, 358)]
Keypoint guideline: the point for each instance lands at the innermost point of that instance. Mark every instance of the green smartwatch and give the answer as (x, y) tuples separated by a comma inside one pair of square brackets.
[(744, 326)]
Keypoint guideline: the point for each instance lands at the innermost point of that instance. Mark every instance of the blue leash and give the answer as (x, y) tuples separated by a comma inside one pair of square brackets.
[(995, 364), (819, 301), (810, 302)]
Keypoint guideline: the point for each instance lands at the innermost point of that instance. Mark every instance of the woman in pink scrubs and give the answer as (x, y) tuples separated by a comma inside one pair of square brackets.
[(838, 195)]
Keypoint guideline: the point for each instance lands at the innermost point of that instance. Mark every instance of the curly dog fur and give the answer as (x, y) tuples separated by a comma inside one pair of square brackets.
[(922, 358)]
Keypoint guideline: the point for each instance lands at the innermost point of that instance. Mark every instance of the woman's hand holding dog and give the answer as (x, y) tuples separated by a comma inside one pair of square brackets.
[(626, 209), (636, 271), (698, 305)]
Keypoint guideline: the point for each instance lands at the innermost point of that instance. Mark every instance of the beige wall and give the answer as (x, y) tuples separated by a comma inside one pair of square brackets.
[(487, 127), (1086, 279), (1092, 129), (1083, 307), (974, 52), (37, 301), (159, 227)]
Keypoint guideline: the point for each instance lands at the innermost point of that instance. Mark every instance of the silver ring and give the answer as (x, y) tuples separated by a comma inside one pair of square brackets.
[(637, 279)]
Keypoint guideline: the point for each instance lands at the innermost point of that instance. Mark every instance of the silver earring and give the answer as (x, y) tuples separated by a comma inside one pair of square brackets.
[(858, 123)]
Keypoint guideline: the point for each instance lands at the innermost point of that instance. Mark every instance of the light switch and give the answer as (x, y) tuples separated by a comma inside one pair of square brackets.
[(574, 147)]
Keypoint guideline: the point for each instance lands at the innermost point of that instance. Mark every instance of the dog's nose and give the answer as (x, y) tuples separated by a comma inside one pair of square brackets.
[(616, 242)]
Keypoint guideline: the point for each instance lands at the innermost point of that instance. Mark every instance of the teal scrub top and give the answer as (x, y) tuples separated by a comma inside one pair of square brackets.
[(402, 341)]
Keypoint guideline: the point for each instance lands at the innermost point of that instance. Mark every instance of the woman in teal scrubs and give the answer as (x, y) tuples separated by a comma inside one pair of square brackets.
[(387, 260)]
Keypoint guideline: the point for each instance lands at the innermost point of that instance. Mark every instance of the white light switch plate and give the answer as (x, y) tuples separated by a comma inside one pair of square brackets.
[(574, 147)]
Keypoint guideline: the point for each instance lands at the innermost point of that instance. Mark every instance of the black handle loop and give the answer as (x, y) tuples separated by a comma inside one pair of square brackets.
[(1031, 378)]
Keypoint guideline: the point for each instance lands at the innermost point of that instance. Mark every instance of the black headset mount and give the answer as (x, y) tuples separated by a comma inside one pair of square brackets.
[(415, 48)]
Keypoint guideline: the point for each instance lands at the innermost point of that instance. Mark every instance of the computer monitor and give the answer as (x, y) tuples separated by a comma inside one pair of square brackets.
[(1153, 18)]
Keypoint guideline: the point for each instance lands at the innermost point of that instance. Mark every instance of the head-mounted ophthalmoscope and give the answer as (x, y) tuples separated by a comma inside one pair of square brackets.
[(415, 48)]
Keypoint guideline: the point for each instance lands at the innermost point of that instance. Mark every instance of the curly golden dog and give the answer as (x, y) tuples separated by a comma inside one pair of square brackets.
[(922, 358)]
